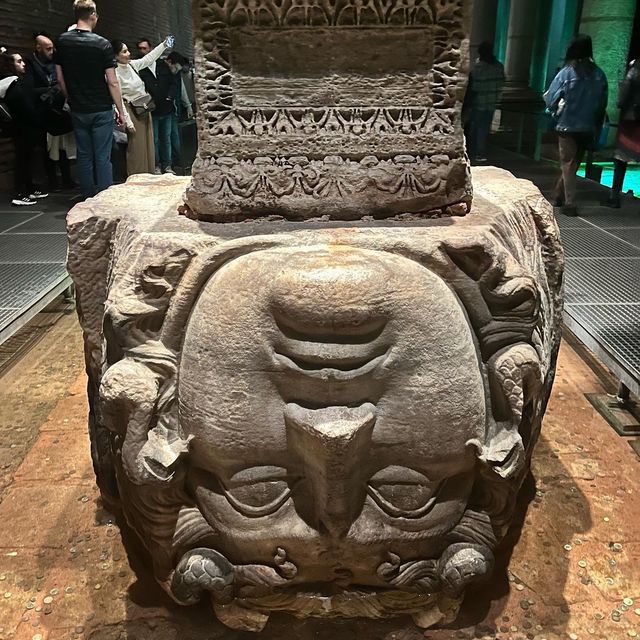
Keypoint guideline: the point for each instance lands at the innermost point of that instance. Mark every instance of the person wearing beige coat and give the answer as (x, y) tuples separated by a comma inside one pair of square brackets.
[(140, 150)]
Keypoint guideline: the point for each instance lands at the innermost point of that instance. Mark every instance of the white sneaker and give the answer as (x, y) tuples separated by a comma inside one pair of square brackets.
[(170, 170), (157, 172), (36, 195), (23, 201)]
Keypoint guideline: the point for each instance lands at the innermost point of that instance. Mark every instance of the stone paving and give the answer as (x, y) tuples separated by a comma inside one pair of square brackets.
[(574, 570)]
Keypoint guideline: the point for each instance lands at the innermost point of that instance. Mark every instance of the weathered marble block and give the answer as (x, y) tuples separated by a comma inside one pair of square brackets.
[(324, 418), (322, 107)]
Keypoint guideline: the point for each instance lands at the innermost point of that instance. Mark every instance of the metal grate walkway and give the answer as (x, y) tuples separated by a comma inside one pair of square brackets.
[(33, 249)]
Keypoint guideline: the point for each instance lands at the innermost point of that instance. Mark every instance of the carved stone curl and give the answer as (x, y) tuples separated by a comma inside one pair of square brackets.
[(327, 420)]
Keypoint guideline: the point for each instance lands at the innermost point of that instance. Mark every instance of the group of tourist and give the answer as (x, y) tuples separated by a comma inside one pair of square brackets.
[(577, 103), (66, 99)]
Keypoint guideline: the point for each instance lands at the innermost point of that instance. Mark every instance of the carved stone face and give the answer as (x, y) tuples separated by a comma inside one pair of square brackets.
[(330, 394)]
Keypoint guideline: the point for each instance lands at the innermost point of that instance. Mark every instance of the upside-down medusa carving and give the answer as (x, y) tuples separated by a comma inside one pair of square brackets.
[(326, 429)]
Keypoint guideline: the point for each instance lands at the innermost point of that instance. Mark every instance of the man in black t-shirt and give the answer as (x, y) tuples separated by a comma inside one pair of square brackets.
[(85, 66)]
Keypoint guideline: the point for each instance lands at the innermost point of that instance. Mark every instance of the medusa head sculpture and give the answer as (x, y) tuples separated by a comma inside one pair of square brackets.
[(332, 422)]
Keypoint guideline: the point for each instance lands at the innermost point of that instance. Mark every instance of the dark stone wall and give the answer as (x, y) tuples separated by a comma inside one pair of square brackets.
[(127, 20)]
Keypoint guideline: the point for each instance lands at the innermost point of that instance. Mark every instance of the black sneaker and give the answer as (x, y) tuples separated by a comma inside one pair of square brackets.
[(23, 201), (36, 195)]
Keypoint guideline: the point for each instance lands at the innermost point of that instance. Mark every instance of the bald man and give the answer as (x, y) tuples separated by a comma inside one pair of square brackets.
[(41, 73), (40, 65)]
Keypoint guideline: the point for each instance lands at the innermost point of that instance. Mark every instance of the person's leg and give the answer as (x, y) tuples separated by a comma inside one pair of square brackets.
[(102, 134), (558, 190), (175, 141), (165, 143), (65, 169), (20, 166), (136, 145), (150, 151), (568, 153), (84, 145), (49, 165), (485, 118), (619, 172), (31, 143), (472, 140), (156, 140)]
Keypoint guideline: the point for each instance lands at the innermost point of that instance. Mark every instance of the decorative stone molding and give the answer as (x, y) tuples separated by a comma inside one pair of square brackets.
[(291, 93)]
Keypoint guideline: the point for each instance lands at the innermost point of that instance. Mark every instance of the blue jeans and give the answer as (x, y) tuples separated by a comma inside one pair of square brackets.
[(94, 138), (175, 141), (162, 137), (478, 143)]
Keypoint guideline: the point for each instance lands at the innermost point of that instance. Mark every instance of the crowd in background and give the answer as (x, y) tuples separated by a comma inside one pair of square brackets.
[(80, 97), (61, 102), (576, 102)]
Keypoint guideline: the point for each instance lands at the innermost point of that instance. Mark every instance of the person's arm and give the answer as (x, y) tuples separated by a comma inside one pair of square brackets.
[(625, 89), (61, 83), (22, 101), (602, 113), (146, 61), (185, 98), (128, 122), (116, 94), (555, 91)]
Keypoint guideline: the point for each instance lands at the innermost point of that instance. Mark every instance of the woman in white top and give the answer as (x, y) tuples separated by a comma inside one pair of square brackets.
[(140, 150)]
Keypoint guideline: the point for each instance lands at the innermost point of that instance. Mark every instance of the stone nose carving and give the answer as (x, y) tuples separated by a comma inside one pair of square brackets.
[(330, 444)]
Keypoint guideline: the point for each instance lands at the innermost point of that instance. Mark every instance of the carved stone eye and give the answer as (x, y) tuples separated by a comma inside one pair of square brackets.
[(402, 492), (258, 491)]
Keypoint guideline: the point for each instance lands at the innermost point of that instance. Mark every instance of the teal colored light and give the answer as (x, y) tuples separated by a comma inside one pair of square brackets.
[(562, 28), (502, 29), (539, 59), (631, 178), (609, 23)]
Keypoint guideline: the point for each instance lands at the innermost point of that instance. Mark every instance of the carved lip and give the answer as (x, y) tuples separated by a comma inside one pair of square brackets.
[(331, 373), (328, 351)]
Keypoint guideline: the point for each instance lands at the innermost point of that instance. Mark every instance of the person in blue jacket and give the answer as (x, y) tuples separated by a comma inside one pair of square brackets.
[(577, 98)]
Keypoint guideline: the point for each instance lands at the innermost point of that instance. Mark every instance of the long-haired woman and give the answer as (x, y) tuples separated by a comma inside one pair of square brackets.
[(628, 141), (26, 126), (578, 99), (141, 149)]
